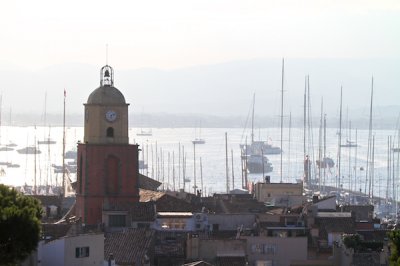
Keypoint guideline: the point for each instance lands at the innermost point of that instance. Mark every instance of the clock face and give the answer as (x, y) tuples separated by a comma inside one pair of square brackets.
[(111, 116)]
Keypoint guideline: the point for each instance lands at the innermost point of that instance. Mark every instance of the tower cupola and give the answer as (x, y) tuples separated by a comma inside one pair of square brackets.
[(106, 112)]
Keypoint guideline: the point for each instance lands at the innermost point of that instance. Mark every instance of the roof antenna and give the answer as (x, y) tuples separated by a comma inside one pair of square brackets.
[(106, 53)]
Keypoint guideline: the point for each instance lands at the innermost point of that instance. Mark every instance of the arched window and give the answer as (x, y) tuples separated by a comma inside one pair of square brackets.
[(112, 175), (110, 132)]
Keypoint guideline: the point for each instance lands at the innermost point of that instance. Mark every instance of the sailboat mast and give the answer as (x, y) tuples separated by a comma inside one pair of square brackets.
[(173, 170), (305, 131), (283, 72), (45, 109), (168, 170), (179, 165), (389, 144), (1, 103), (252, 119), (310, 134), (147, 158), (350, 177), (226, 163), (194, 168), (63, 150), (321, 161), (183, 167), (201, 177), (373, 166), (324, 149), (35, 184), (289, 139), (369, 141), (355, 164), (233, 173), (340, 140)]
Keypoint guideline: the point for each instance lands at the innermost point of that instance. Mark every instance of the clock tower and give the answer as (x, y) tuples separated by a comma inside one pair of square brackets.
[(107, 164)]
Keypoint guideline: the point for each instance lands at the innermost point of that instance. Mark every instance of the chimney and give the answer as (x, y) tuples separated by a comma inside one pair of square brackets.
[(315, 198)]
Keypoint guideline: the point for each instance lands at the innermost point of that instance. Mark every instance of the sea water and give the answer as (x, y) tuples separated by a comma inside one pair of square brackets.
[(169, 149)]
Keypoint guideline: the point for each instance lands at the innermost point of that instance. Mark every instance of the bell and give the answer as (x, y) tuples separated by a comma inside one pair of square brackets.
[(107, 74)]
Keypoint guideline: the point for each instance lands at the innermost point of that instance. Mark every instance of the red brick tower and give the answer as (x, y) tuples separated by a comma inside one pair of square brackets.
[(107, 163)]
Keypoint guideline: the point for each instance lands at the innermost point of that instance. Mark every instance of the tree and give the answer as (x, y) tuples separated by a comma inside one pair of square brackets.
[(394, 237), (19, 225)]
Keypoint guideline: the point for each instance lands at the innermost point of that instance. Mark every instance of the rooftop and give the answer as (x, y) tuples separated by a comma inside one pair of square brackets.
[(128, 247)]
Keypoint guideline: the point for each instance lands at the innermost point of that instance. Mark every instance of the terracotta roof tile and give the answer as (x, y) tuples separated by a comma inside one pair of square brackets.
[(130, 246), (143, 211)]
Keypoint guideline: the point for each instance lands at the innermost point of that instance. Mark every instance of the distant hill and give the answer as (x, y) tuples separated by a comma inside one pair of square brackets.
[(220, 90)]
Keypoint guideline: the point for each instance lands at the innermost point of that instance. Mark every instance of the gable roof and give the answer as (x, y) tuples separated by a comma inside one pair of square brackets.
[(165, 202), (146, 182)]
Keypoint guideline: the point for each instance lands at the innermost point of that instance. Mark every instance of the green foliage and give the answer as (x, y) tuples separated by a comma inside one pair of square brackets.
[(358, 245), (394, 237), (19, 225), (352, 241)]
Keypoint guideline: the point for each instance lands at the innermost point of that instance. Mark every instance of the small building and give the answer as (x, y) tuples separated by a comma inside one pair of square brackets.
[(325, 204), (279, 194), (174, 221), (216, 250), (231, 221), (85, 249), (280, 251), (328, 227)]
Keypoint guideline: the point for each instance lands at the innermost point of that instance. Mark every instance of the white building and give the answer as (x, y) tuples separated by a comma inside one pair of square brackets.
[(79, 250)]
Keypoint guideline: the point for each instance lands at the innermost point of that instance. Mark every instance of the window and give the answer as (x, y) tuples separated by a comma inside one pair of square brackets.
[(110, 132), (269, 249), (117, 220), (81, 252)]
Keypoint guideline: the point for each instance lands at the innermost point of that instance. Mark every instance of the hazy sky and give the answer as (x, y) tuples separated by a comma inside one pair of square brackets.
[(172, 34)]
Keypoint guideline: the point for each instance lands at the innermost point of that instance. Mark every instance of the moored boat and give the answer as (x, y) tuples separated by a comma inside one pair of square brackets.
[(47, 141), (29, 150), (258, 164)]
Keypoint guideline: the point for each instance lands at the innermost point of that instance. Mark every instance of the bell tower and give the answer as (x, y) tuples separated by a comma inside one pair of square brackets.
[(107, 164), (106, 112)]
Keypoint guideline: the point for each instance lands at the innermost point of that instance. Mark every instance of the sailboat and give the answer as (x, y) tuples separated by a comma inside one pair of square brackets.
[(349, 144), (258, 146), (47, 140), (142, 131), (323, 161), (29, 150), (145, 133), (198, 140)]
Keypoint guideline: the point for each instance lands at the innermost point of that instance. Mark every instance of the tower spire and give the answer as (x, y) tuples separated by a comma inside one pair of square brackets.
[(106, 54)]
